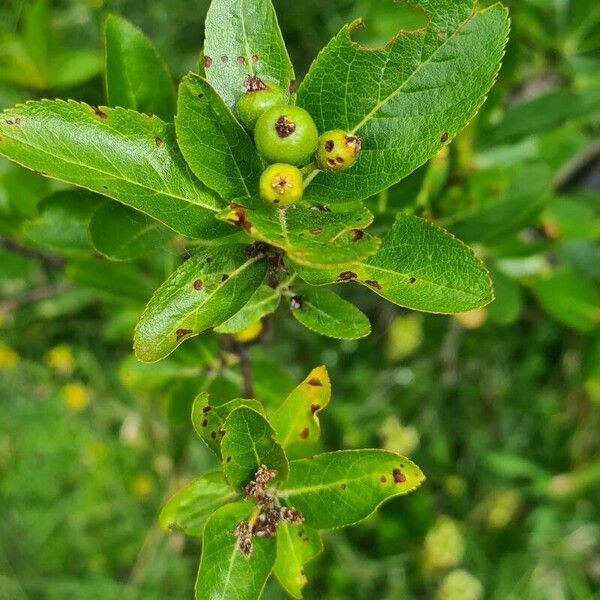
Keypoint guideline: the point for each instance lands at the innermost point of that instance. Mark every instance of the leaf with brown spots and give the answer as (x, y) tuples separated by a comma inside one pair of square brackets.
[(177, 305), (309, 236), (249, 34), (420, 266), (208, 419), (250, 441), (296, 421), (400, 98), (338, 489)]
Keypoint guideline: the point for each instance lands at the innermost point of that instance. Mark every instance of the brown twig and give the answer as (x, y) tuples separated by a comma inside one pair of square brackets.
[(49, 260), (246, 369)]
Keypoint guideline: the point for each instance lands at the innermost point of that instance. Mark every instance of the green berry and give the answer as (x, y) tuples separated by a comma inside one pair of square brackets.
[(259, 97), (286, 134), (281, 184), (338, 150)]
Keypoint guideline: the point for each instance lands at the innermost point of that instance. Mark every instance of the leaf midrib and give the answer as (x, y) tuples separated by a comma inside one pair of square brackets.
[(112, 176), (371, 114)]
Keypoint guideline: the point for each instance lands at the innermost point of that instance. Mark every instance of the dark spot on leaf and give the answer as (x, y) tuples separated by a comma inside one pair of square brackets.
[(284, 127), (104, 187), (372, 283), (208, 61), (18, 121), (228, 459), (412, 280), (293, 86), (222, 432), (296, 303), (441, 34), (181, 333), (158, 141), (200, 96), (224, 58), (329, 145), (347, 275), (383, 479), (357, 234), (339, 160), (205, 423), (208, 259), (304, 433), (241, 60), (213, 435), (331, 162), (399, 476), (315, 381), (314, 408), (254, 58), (198, 285), (343, 486), (206, 409), (224, 278), (315, 231), (100, 113), (10, 122), (444, 137)]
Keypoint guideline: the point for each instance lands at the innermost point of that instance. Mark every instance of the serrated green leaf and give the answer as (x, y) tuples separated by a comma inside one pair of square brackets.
[(296, 421), (205, 291), (136, 77), (249, 442), (263, 302), (338, 489), (215, 145), (407, 99), (420, 266), (209, 420), (118, 153), (63, 222), (310, 236), (243, 38), (121, 233), (225, 573), (296, 546), (325, 313), (190, 507)]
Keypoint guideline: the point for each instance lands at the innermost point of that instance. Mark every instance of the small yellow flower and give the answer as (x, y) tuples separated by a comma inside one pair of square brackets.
[(8, 357), (142, 486), (460, 585), (472, 319), (249, 334), (444, 545), (60, 358), (77, 396)]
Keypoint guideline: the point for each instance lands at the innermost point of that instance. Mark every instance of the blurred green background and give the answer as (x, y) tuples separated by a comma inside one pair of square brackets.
[(500, 407)]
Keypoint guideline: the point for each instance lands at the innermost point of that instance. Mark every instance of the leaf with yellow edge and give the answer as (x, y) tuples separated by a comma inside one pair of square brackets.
[(296, 421)]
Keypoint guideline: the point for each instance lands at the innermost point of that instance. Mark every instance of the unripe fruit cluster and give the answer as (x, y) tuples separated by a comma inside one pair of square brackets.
[(288, 137)]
